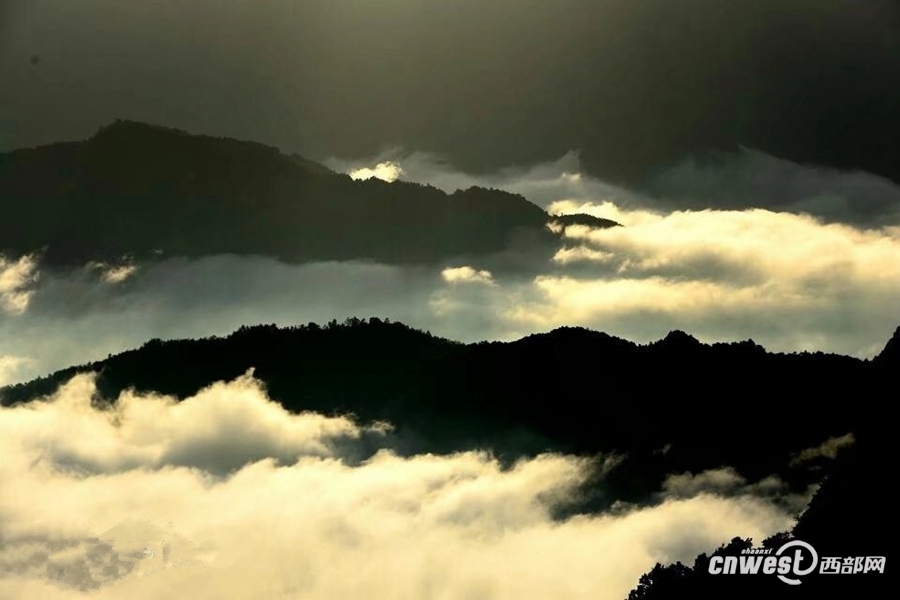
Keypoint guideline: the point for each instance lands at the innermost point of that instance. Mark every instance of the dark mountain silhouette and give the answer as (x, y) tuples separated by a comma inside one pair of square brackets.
[(672, 406), (891, 353), (584, 219), (849, 516), (139, 190)]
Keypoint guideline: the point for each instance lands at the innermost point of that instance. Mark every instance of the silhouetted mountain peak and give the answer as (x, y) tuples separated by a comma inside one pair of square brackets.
[(891, 352), (135, 137), (122, 127), (572, 336), (147, 137), (678, 339), (139, 187)]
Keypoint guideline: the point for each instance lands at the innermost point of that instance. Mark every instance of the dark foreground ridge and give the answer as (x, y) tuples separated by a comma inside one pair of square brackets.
[(848, 518), (570, 390), (673, 406), (144, 191)]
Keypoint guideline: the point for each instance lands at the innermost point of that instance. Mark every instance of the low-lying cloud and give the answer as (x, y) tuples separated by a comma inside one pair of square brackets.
[(121, 502), (221, 429), (17, 279), (115, 273), (828, 449), (467, 275), (77, 316), (727, 482), (754, 270)]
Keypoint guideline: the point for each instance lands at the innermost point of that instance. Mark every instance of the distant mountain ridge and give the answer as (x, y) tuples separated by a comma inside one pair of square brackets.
[(142, 190)]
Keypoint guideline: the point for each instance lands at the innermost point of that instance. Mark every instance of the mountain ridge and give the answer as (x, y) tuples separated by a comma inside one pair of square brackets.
[(675, 341), (144, 191)]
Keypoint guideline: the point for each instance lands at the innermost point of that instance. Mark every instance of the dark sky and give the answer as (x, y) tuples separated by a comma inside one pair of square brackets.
[(633, 84)]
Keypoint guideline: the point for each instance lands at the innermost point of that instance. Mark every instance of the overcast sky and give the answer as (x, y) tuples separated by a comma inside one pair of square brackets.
[(634, 84)]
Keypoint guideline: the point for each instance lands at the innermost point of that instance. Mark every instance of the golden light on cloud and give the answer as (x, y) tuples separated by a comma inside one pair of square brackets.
[(580, 253), (467, 274), (16, 280), (132, 502), (785, 279), (113, 274), (770, 244), (386, 171)]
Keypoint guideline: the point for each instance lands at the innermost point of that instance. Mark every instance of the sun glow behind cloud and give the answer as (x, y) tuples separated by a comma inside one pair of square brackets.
[(386, 171)]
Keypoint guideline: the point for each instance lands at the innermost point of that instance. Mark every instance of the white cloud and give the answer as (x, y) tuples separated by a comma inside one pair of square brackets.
[(386, 171), (713, 480), (727, 482), (12, 367), (789, 281), (765, 244), (17, 278), (565, 256), (136, 520), (220, 429), (466, 274), (113, 274)]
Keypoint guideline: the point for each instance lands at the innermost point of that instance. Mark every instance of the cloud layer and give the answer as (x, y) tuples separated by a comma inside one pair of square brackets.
[(123, 502), (754, 270)]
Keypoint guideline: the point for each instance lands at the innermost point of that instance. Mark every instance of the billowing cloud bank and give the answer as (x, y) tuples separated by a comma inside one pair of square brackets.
[(784, 278), (228, 495)]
